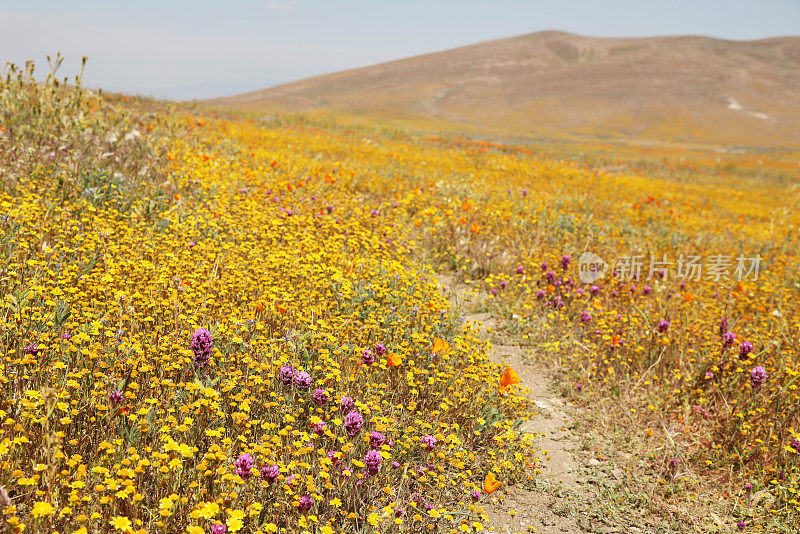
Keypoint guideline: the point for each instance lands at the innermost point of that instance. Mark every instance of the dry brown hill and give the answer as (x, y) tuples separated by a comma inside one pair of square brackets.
[(679, 89)]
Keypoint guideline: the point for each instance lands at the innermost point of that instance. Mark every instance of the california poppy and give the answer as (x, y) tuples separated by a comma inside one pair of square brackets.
[(393, 360), (440, 346), (509, 377), (491, 483)]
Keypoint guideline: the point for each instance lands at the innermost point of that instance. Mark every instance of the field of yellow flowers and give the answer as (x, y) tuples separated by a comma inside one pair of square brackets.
[(222, 324), (235, 339)]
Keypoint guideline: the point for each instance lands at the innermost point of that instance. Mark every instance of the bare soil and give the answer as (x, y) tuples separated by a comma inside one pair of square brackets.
[(544, 509)]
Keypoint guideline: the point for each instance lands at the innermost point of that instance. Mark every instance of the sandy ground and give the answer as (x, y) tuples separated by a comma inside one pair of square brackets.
[(547, 509)]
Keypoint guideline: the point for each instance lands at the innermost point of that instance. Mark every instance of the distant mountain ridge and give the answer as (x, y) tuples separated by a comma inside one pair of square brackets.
[(681, 89)]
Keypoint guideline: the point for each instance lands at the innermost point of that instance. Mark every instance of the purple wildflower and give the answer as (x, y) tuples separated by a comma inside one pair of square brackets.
[(795, 445), (429, 442), (201, 346), (243, 464), (346, 404), (503, 284), (728, 338), (218, 528), (320, 428), (353, 423), (586, 317), (565, 259), (306, 502), (320, 397), (32, 349), (302, 380), (373, 462), (476, 495), (376, 439), (380, 349), (646, 290), (270, 472), (367, 357), (758, 376), (745, 348), (116, 397), (287, 375), (520, 269), (663, 326)]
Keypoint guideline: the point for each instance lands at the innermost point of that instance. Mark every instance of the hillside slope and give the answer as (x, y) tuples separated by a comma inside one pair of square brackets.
[(683, 88)]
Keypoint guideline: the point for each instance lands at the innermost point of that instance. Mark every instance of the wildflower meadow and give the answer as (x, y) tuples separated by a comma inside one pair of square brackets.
[(221, 323)]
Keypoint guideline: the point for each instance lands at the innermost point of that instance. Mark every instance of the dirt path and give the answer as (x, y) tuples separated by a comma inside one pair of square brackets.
[(591, 480), (558, 490)]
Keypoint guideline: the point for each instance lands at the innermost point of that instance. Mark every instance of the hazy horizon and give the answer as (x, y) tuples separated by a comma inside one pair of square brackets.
[(185, 50)]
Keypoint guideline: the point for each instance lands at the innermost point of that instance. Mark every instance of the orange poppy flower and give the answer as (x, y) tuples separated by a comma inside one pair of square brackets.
[(509, 377), (440, 346), (393, 360), (491, 483)]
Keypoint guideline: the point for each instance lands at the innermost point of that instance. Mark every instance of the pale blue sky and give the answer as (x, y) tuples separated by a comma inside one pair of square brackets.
[(196, 49)]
